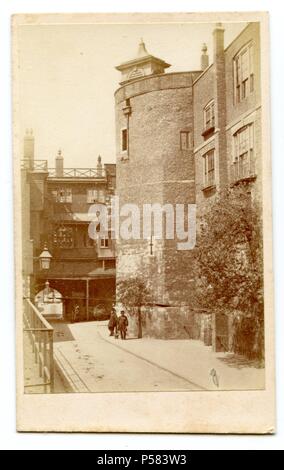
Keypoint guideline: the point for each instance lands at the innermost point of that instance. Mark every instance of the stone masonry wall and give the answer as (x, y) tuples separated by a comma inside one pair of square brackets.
[(157, 171)]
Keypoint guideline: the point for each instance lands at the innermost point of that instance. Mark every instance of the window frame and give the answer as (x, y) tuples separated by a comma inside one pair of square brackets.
[(66, 198), (92, 199), (101, 196), (210, 124), (104, 243), (207, 183), (187, 140), (122, 140), (243, 151), (243, 73)]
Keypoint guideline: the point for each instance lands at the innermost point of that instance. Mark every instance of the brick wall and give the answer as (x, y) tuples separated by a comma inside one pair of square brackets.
[(230, 116), (236, 110)]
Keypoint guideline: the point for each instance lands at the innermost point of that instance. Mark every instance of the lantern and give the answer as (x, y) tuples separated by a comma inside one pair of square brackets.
[(45, 259)]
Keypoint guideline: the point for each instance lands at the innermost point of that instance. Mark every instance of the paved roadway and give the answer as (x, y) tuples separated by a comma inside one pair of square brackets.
[(92, 363)]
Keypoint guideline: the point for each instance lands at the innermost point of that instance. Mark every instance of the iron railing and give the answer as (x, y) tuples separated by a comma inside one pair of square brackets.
[(77, 173), (41, 336), (39, 166)]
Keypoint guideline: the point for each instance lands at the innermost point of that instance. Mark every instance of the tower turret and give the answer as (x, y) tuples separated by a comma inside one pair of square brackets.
[(142, 65)]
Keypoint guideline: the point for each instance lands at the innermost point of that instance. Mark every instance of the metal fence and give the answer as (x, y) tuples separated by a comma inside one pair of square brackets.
[(38, 166), (41, 336), (77, 173)]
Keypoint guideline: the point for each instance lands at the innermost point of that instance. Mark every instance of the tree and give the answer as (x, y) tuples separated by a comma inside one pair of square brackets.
[(229, 263), (133, 294)]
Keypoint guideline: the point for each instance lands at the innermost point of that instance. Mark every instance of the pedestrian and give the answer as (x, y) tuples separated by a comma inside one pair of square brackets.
[(122, 324), (76, 313), (112, 324)]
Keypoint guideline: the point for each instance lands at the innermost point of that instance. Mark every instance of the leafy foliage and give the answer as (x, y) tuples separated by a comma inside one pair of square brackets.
[(229, 260), (133, 293)]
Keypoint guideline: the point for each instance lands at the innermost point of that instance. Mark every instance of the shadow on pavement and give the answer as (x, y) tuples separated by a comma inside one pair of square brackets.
[(240, 362)]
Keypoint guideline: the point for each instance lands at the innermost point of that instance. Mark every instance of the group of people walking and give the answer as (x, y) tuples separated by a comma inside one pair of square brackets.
[(118, 324)]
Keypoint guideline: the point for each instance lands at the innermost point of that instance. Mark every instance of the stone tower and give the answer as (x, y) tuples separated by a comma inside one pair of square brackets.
[(155, 164)]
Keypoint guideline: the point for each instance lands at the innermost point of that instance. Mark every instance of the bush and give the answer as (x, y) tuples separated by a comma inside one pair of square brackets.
[(229, 264)]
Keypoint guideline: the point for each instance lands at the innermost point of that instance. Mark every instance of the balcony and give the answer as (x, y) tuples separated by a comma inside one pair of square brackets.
[(37, 166), (242, 170), (98, 173)]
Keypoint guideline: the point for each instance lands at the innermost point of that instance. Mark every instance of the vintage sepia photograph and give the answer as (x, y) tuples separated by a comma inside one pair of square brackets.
[(140, 162)]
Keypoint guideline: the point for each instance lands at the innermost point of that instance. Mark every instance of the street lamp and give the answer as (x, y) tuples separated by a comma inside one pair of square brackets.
[(45, 259)]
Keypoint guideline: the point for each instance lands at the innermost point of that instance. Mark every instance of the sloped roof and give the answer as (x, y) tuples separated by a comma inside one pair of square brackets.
[(142, 57)]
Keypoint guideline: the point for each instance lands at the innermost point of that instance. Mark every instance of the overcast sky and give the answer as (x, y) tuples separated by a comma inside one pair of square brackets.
[(67, 80)]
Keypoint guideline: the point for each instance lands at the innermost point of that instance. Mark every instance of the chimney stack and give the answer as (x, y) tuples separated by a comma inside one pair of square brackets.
[(59, 165), (100, 166), (220, 102), (204, 58), (29, 145), (218, 35)]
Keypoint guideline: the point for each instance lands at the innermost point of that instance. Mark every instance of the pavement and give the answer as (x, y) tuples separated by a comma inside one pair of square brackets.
[(89, 360)]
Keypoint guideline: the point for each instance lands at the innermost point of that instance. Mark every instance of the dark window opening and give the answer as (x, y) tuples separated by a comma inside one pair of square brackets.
[(124, 140)]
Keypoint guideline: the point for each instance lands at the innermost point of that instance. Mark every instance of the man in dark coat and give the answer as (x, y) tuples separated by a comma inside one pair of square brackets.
[(112, 324), (122, 325)]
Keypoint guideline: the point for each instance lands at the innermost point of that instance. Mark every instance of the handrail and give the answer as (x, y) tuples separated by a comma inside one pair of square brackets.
[(40, 316), (40, 333)]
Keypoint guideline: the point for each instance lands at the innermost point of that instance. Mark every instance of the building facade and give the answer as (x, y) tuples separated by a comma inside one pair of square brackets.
[(182, 138), (56, 221), (227, 132), (227, 117)]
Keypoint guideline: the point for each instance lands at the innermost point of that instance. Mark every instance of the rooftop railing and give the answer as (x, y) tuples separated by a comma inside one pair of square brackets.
[(40, 334), (35, 165), (77, 173), (41, 166)]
